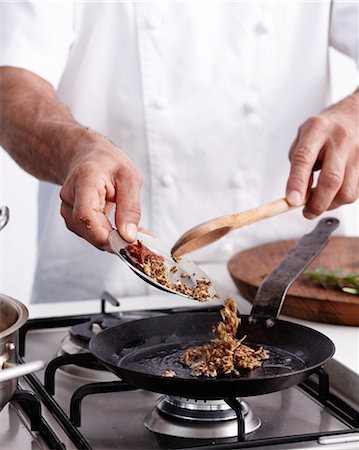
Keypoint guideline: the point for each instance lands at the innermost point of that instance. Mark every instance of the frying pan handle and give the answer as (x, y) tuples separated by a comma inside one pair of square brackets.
[(272, 291)]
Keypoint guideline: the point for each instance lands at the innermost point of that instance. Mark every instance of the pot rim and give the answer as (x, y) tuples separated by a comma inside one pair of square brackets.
[(23, 315)]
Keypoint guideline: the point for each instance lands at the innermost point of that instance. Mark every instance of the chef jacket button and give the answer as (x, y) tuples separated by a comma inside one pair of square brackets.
[(159, 104), (250, 106), (262, 28), (237, 181), (227, 249), (154, 22), (167, 180)]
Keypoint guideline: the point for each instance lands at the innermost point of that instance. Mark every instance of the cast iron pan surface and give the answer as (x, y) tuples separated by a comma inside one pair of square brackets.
[(140, 351)]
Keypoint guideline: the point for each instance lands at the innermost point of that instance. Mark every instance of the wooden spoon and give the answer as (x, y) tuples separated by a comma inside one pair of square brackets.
[(212, 230)]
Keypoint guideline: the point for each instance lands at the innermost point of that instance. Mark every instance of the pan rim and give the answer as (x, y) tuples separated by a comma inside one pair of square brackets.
[(109, 363), (224, 380)]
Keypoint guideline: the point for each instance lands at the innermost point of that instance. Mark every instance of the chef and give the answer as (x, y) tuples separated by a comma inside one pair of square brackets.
[(163, 115)]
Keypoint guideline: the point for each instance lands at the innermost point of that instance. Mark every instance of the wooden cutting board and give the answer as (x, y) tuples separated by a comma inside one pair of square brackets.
[(305, 299)]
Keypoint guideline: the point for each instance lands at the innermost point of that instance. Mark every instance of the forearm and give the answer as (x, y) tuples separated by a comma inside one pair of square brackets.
[(36, 128), (41, 135)]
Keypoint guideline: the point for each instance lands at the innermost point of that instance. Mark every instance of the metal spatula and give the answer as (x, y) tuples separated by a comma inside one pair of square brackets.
[(186, 272)]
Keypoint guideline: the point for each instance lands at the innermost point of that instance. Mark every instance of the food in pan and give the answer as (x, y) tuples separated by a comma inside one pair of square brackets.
[(169, 373), (154, 266), (225, 354)]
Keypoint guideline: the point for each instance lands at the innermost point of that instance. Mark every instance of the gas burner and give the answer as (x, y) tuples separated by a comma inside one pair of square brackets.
[(71, 374), (79, 336), (201, 419), (82, 333)]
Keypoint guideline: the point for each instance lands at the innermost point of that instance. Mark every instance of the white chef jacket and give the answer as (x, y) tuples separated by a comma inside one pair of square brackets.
[(204, 97)]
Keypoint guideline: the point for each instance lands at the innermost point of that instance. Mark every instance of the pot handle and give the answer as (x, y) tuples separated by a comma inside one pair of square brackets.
[(11, 371), (272, 291)]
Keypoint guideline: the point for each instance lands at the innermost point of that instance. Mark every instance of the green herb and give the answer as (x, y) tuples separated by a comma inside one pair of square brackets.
[(338, 279)]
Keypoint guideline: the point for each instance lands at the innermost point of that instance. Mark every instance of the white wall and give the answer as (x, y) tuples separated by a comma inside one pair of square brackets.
[(18, 190)]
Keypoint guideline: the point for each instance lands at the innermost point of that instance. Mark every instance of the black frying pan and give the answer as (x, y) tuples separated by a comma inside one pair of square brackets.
[(140, 351)]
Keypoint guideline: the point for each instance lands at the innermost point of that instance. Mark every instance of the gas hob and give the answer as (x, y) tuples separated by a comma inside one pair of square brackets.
[(75, 403)]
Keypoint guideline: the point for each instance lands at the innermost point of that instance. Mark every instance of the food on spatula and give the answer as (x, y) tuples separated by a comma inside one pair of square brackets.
[(154, 266), (199, 292), (225, 354)]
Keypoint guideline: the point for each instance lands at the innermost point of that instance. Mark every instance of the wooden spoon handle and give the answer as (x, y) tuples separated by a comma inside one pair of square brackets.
[(261, 212)]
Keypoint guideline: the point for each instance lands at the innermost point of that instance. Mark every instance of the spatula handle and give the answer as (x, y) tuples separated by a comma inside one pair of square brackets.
[(261, 212)]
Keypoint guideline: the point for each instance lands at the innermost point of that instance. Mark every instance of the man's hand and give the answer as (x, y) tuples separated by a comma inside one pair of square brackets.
[(41, 135), (328, 142), (101, 176)]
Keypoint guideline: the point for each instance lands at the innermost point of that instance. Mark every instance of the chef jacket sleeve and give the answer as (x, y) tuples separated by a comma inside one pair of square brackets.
[(37, 36), (344, 33)]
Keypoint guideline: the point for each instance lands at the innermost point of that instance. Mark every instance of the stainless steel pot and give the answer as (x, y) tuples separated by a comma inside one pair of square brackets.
[(13, 315)]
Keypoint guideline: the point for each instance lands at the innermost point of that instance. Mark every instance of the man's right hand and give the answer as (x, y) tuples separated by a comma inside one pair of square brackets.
[(101, 176), (39, 132)]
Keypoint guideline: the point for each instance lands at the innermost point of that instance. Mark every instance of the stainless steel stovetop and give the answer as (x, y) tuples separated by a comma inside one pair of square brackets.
[(294, 418)]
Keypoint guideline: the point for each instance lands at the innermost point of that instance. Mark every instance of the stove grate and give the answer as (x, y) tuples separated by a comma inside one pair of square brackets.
[(318, 390), (32, 407), (94, 388)]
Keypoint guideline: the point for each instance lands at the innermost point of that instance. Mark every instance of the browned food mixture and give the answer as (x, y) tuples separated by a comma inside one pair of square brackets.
[(87, 222), (156, 269), (153, 265), (169, 373), (199, 292), (225, 354)]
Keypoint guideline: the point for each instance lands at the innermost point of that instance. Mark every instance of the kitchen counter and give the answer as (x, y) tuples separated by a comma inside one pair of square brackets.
[(345, 338)]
